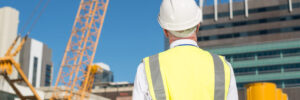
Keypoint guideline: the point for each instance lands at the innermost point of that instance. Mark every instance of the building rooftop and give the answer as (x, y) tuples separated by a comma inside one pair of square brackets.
[(104, 66)]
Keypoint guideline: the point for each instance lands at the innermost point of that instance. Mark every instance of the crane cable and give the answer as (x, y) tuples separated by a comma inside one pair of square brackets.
[(32, 15), (40, 14)]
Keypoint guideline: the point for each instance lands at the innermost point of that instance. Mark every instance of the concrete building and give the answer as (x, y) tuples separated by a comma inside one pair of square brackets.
[(9, 20), (48, 92), (35, 60), (103, 78), (260, 38), (104, 85), (115, 90)]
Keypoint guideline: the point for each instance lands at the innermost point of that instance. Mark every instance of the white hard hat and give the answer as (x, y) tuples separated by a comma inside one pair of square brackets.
[(178, 15)]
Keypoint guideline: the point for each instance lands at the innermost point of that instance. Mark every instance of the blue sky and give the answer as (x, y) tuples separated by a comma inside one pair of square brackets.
[(130, 32)]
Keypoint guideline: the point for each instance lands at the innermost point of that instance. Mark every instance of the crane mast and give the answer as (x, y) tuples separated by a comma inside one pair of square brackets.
[(75, 78)]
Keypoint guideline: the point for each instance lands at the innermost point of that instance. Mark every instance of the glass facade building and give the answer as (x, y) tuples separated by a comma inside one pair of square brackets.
[(262, 41), (269, 62), (105, 77), (101, 80)]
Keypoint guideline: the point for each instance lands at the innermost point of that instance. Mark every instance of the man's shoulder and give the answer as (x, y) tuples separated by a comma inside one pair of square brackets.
[(156, 54), (212, 53)]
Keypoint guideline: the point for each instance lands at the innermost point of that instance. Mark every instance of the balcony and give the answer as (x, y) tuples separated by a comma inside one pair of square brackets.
[(266, 62), (268, 77)]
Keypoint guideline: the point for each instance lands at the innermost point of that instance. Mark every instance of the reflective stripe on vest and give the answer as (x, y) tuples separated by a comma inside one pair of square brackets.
[(158, 91), (157, 81), (219, 78)]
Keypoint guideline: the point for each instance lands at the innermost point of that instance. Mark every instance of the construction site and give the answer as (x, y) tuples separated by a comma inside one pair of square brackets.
[(259, 38)]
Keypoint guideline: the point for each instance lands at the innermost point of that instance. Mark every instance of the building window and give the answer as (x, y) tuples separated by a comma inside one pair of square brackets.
[(249, 22), (296, 5), (269, 69), (268, 54), (291, 52), (292, 83), (251, 33), (251, 11), (264, 54), (242, 57), (35, 65), (48, 75), (292, 67), (244, 71), (228, 58), (238, 12)]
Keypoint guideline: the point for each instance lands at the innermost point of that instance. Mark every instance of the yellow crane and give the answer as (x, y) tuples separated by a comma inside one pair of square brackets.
[(76, 73), (6, 66), (77, 70)]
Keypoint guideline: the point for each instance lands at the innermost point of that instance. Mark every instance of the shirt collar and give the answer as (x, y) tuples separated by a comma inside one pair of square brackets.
[(183, 41)]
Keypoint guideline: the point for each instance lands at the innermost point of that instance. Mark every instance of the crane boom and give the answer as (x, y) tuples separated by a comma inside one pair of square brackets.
[(74, 78), (6, 66)]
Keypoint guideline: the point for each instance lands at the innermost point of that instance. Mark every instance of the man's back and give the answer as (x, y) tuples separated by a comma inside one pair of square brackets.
[(182, 79), (183, 72), (188, 72)]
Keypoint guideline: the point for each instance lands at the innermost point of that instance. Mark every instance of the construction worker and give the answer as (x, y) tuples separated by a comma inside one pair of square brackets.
[(185, 71)]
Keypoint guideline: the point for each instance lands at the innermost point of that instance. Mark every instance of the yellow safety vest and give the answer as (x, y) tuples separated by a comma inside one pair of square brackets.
[(187, 73)]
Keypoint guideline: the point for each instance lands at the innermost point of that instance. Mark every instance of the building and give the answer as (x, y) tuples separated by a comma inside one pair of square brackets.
[(260, 38), (103, 78), (35, 60), (115, 90), (48, 93), (104, 85), (9, 20), (40, 76)]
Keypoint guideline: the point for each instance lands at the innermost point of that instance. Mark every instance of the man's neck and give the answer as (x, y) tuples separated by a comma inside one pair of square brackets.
[(183, 42), (173, 40)]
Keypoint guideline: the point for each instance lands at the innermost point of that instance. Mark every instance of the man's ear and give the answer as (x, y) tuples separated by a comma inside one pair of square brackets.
[(166, 33)]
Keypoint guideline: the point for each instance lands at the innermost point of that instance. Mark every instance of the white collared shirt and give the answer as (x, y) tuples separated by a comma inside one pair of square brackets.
[(141, 91)]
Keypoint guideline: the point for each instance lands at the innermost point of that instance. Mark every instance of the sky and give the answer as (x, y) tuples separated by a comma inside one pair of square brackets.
[(130, 32)]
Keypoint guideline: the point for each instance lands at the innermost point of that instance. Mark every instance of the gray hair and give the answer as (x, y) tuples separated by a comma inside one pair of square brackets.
[(184, 33)]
